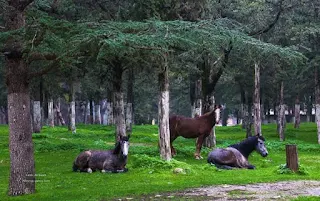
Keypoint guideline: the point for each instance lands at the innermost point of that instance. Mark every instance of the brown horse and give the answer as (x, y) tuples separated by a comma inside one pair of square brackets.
[(198, 127)]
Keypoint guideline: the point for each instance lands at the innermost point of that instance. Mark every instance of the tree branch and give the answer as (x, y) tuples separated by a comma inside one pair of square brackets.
[(271, 25), (216, 76)]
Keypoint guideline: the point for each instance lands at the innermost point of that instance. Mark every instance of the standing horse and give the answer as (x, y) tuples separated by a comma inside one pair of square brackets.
[(198, 127), (236, 155), (113, 160)]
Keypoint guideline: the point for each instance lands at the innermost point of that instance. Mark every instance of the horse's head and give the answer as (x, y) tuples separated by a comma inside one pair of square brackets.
[(260, 146), (124, 145), (217, 110)]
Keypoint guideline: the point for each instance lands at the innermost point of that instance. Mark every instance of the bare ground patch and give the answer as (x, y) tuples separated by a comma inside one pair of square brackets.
[(285, 190), (261, 191)]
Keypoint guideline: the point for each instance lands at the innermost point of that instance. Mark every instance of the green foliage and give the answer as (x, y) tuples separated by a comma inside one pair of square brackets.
[(146, 162), (283, 169)]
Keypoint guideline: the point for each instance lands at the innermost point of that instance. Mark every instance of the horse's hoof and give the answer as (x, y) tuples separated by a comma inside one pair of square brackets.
[(89, 170), (103, 171)]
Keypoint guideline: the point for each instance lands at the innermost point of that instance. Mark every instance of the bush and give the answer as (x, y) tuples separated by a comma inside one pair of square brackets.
[(283, 169)]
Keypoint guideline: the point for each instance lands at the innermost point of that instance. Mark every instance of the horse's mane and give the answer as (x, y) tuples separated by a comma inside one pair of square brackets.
[(248, 145)]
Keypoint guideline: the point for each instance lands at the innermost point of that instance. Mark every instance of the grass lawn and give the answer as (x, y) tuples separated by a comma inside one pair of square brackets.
[(56, 148)]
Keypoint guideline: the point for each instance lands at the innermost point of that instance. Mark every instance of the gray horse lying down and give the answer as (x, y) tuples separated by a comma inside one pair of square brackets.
[(113, 160), (236, 155)]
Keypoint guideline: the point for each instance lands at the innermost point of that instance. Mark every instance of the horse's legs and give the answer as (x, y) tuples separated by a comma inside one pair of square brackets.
[(227, 167), (173, 150), (198, 147), (88, 170)]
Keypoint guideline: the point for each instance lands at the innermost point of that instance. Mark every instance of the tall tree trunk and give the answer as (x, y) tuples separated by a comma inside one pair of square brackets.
[(118, 107), (36, 116), (281, 117), (50, 113), (130, 99), (83, 111), (104, 114), (163, 110), (87, 113), (37, 109), (197, 106), (22, 171), (119, 115), (129, 118), (317, 100), (72, 110), (60, 119), (309, 109), (22, 179), (256, 100), (248, 119), (97, 119), (110, 119), (92, 112), (210, 141), (244, 109), (297, 112)]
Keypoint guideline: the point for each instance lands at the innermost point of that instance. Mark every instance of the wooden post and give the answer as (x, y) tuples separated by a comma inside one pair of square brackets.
[(292, 157)]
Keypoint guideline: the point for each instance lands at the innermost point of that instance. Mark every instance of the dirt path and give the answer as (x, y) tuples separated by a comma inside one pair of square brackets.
[(278, 191), (263, 191)]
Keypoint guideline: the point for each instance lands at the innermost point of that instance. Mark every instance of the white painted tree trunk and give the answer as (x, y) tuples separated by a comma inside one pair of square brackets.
[(60, 119), (256, 101), (104, 115), (50, 113), (281, 122), (129, 118), (87, 117), (72, 117), (281, 116), (119, 115), (110, 120), (97, 113), (36, 117), (163, 110)]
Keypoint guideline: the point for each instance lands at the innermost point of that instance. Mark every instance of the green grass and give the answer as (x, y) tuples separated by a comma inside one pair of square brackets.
[(56, 148)]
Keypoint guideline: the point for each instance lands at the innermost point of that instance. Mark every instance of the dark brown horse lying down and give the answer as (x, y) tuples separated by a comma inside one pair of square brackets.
[(106, 161), (236, 155), (198, 127)]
